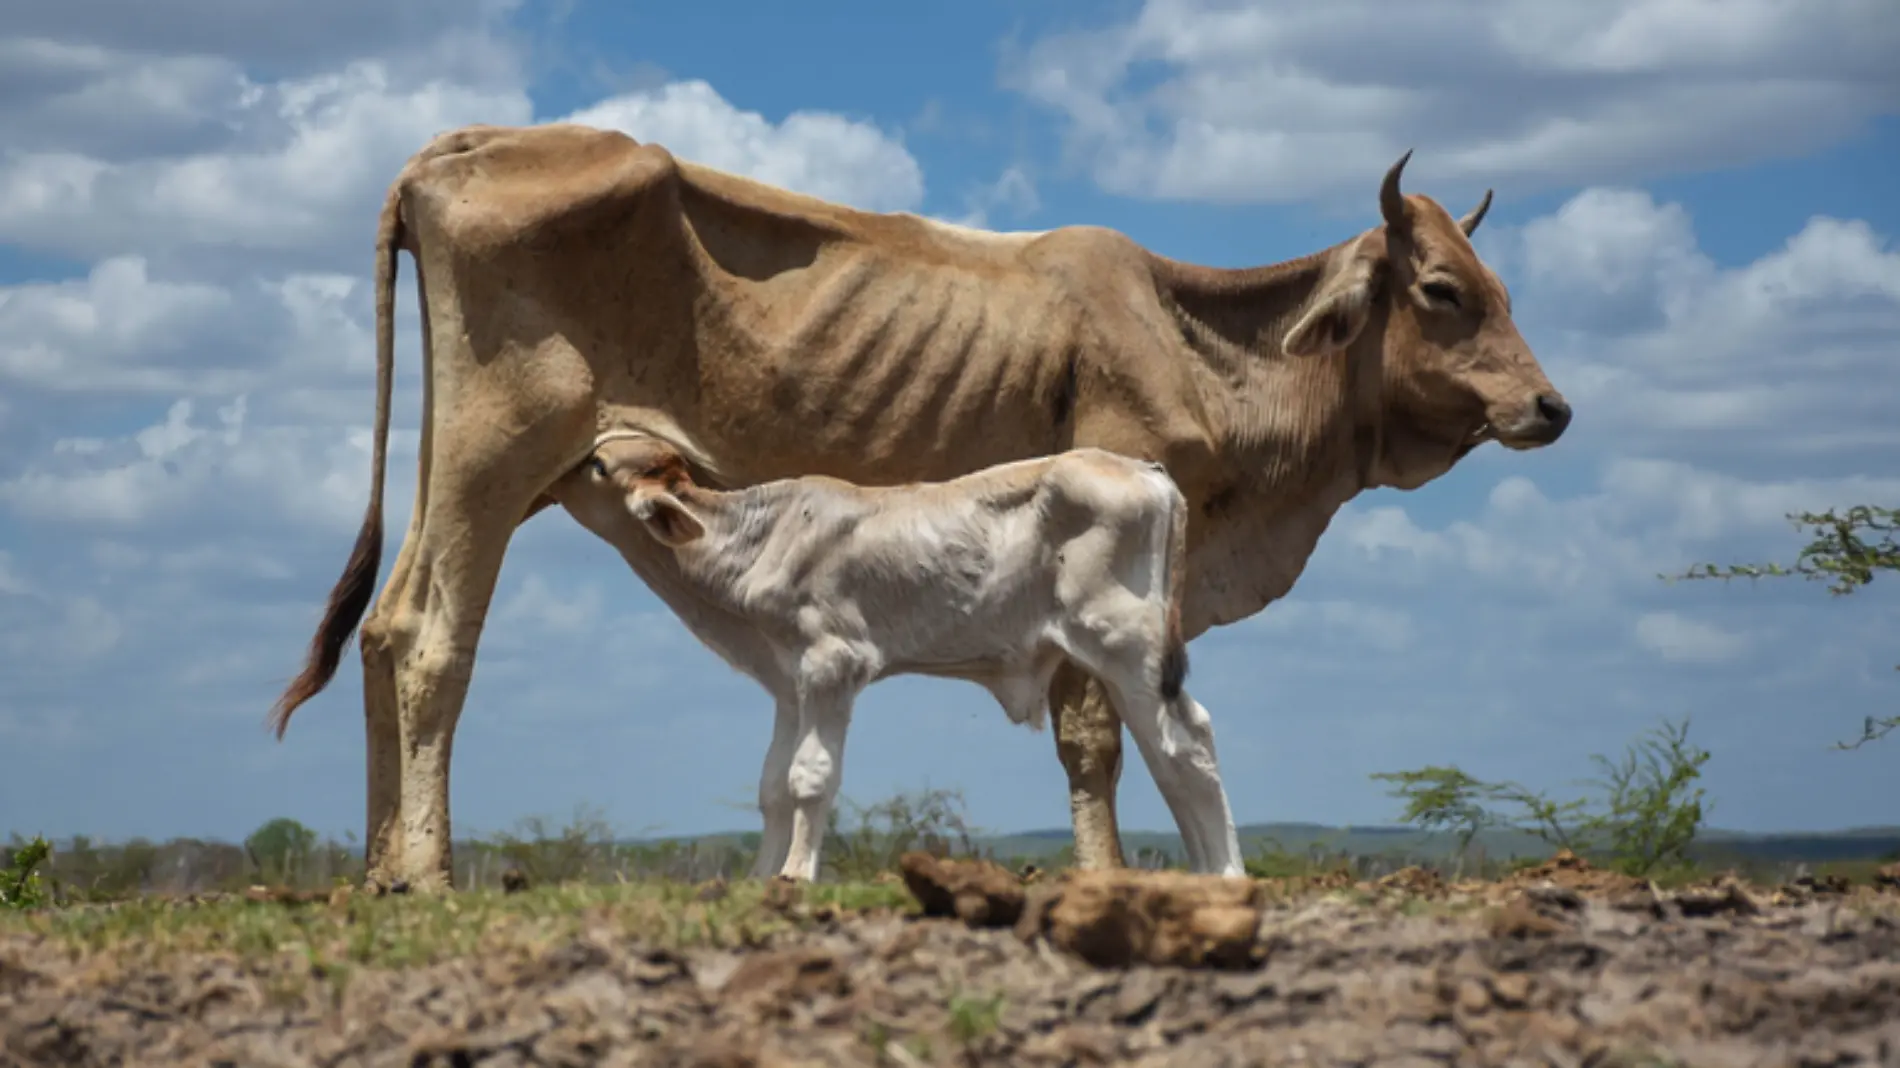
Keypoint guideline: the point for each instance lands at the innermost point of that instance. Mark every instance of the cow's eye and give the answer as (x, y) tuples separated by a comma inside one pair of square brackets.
[(1440, 293), (595, 465)]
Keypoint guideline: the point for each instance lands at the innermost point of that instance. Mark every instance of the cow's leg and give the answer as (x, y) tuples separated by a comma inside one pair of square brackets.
[(382, 843), (479, 486), (382, 839), (775, 792), (1089, 743), (824, 716)]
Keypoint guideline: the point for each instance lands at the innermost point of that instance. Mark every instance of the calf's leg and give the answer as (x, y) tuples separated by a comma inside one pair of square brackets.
[(817, 768), (1114, 638), (1176, 741), (775, 792)]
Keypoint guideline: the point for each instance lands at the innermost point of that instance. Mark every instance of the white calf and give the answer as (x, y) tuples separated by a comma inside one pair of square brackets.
[(817, 588)]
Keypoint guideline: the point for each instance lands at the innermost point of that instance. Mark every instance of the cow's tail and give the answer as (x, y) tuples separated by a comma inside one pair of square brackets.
[(1174, 657), (350, 597)]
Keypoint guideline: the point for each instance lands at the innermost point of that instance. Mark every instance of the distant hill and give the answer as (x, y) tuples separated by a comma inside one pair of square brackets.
[(1812, 847)]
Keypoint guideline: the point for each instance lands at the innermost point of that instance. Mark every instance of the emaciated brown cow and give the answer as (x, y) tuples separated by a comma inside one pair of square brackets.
[(575, 281)]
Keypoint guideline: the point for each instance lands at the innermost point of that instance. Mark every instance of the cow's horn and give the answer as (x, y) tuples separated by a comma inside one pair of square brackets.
[(1391, 202), (1470, 222)]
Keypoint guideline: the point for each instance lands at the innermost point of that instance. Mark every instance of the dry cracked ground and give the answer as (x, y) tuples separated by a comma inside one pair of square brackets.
[(964, 965)]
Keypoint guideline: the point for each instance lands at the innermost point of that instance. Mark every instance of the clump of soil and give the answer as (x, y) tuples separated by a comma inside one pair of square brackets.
[(1116, 918), (1414, 882), (981, 893), (1887, 877), (1568, 870)]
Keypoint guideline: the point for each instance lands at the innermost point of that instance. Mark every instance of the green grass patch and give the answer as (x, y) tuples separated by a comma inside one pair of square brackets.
[(408, 930)]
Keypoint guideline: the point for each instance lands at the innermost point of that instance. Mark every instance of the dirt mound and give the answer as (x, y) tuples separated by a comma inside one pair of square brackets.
[(1116, 918), (1572, 872), (1111, 919), (981, 893), (1887, 877), (1414, 882)]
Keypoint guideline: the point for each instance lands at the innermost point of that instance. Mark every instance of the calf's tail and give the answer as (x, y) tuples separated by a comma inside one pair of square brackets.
[(1174, 657)]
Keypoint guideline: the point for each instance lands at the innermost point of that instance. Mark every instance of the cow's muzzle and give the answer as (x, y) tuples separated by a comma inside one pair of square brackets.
[(1545, 422)]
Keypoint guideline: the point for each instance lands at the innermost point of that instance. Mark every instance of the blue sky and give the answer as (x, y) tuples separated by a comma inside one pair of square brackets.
[(1694, 212)]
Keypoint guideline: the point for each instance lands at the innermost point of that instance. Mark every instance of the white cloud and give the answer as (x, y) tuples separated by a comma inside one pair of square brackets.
[(1663, 349), (112, 105), (50, 631), (1270, 101), (1352, 624), (178, 470), (535, 605), (1621, 260), (813, 152), (11, 584), (1644, 517), (1013, 194), (278, 34), (299, 155), (116, 329), (129, 328), (1678, 639)]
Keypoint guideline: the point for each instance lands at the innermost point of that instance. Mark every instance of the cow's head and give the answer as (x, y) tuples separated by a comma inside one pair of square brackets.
[(1455, 371), (636, 479)]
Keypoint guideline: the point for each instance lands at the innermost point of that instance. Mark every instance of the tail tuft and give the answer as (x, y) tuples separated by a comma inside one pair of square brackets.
[(1174, 669)]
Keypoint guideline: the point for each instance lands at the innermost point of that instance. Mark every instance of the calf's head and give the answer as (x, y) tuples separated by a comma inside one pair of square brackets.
[(1453, 370), (629, 482)]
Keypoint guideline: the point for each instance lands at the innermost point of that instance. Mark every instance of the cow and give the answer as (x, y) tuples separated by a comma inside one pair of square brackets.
[(816, 588), (573, 279)]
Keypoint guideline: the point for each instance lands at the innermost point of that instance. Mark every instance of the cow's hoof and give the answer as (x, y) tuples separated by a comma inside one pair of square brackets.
[(377, 884)]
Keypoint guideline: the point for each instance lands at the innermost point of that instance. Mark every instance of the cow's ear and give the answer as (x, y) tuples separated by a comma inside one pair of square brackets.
[(1336, 314), (668, 520)]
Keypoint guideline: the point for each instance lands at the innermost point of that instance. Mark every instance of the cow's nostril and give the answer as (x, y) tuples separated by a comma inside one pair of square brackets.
[(1554, 409)]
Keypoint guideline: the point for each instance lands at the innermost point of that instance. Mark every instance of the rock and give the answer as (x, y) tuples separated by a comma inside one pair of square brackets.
[(1511, 990), (283, 895), (1518, 919), (783, 894), (1887, 876), (1824, 884), (1414, 881), (981, 893), (1727, 896), (768, 984), (1121, 917), (1567, 869)]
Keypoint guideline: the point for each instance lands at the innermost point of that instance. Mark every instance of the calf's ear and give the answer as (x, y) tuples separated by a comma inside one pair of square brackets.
[(1337, 312), (669, 521)]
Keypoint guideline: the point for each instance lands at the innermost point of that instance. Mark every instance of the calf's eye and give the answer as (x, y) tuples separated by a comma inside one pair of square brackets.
[(595, 465), (1441, 293)]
